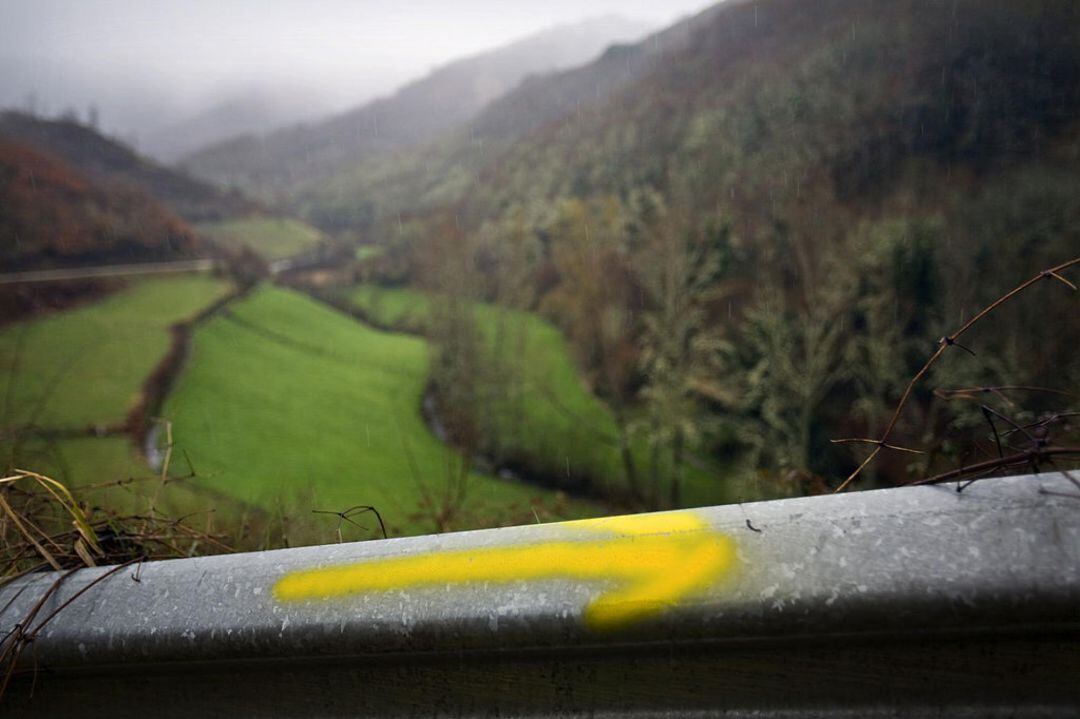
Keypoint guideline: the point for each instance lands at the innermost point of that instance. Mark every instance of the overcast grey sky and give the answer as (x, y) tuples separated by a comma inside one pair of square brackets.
[(141, 59)]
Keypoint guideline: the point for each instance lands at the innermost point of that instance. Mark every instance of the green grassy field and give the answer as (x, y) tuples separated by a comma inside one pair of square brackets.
[(86, 366), (562, 426), (367, 252), (86, 461), (272, 238), (286, 402)]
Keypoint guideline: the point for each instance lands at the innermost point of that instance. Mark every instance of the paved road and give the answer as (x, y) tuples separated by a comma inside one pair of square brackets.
[(85, 273)]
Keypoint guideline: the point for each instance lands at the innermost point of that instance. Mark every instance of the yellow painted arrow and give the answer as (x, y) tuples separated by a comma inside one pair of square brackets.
[(653, 561)]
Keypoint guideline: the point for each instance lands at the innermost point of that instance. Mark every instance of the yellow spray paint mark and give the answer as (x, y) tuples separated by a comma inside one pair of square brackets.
[(652, 561)]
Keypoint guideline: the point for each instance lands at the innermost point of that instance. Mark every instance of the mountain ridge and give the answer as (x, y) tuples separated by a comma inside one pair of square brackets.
[(444, 99), (109, 162)]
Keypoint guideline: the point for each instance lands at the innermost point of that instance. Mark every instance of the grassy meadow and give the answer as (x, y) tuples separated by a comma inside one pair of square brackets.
[(562, 426), (286, 402), (85, 366), (272, 238), (83, 369), (364, 253)]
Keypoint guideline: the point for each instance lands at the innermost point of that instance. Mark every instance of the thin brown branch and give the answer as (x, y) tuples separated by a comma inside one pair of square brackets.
[(1012, 460), (21, 637), (878, 442), (971, 392), (1054, 273), (1059, 278)]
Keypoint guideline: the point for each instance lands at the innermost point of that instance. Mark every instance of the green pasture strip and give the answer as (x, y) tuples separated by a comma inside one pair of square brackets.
[(561, 425), (285, 402), (367, 252), (120, 478), (86, 366), (273, 238)]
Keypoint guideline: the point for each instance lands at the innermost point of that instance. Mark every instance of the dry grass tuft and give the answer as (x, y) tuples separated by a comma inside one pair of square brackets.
[(45, 525)]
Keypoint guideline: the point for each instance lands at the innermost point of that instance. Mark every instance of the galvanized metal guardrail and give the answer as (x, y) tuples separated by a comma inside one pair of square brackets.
[(919, 601)]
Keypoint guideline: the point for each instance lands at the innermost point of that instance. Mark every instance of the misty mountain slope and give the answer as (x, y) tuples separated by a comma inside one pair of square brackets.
[(807, 139), (255, 111), (447, 98), (637, 96), (780, 95), (107, 162), (864, 175), (419, 178), (51, 215), (770, 105)]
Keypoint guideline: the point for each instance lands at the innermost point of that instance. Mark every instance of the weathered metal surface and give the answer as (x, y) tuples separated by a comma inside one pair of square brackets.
[(919, 600)]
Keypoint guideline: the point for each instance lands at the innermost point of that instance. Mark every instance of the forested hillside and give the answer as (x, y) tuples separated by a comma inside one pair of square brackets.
[(109, 163), (51, 215), (755, 238), (447, 98), (420, 176)]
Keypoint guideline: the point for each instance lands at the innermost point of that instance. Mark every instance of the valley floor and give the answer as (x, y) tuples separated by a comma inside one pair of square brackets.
[(286, 402), (70, 379), (561, 426), (286, 407)]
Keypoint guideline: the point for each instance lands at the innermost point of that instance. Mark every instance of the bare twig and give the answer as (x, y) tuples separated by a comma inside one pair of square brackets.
[(1054, 273), (21, 637), (1031, 456), (878, 442), (348, 514), (973, 392)]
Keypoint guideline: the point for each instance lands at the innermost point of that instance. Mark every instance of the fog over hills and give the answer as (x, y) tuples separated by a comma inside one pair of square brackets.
[(446, 98), (156, 71), (437, 174), (255, 110)]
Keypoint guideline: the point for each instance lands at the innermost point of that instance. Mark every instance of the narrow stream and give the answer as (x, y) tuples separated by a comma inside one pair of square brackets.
[(155, 455)]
